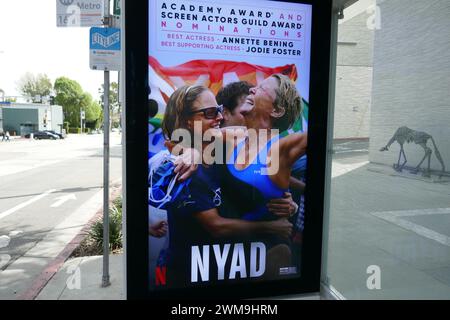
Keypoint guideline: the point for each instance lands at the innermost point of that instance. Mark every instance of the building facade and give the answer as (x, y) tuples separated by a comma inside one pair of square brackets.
[(354, 76), (411, 79), (24, 118)]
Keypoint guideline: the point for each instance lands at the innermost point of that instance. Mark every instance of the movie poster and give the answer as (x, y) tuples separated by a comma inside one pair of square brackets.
[(236, 220)]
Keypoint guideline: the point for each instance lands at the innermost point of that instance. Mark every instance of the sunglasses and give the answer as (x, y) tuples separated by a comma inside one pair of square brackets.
[(210, 112)]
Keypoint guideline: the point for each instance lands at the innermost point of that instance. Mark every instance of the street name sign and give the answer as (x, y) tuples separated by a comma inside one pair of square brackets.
[(117, 7), (79, 13)]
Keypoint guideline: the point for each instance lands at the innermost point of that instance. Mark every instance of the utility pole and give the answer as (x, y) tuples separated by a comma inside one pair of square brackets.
[(81, 118), (105, 278)]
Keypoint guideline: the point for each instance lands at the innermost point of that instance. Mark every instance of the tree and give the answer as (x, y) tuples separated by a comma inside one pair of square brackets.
[(35, 86), (113, 95), (114, 105), (93, 115), (70, 95)]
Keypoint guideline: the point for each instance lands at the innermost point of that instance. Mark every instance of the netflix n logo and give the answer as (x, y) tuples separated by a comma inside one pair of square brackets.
[(160, 276)]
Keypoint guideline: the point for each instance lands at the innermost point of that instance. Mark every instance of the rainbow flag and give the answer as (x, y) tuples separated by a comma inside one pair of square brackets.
[(214, 74)]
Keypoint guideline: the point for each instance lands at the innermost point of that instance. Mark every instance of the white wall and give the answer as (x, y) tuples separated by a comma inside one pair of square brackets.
[(411, 82), (57, 118), (353, 77), (353, 91)]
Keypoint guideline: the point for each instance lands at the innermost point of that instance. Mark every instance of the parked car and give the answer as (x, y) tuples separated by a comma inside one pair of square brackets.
[(95, 131), (38, 135), (60, 135)]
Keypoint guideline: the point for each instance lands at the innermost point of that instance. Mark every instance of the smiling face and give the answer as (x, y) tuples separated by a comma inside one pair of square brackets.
[(258, 108), (205, 100)]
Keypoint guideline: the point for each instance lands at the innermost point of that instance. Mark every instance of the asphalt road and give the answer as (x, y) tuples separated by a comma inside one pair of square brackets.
[(48, 191)]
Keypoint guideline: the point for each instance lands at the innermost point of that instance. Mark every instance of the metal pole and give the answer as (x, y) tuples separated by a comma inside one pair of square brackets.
[(105, 278), (124, 159), (119, 100), (325, 281)]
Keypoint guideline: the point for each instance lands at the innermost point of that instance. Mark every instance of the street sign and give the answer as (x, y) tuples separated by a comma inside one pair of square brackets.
[(104, 45), (117, 7), (83, 115), (80, 13)]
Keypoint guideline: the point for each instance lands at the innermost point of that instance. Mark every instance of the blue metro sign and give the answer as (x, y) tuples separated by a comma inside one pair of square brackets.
[(104, 39), (104, 47)]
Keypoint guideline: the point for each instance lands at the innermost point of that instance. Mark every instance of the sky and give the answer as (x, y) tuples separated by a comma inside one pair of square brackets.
[(31, 42)]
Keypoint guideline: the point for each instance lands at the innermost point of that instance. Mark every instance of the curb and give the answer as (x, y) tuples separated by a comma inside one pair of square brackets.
[(349, 139), (54, 266)]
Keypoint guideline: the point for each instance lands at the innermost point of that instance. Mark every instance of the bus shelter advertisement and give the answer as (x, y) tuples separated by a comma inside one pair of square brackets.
[(229, 89)]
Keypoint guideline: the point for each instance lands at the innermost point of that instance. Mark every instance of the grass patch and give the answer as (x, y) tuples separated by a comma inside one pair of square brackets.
[(92, 244)]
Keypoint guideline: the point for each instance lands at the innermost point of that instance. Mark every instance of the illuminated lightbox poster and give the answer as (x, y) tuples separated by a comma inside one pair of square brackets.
[(242, 65)]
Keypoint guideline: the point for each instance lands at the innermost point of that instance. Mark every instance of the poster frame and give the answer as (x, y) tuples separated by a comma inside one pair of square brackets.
[(136, 166)]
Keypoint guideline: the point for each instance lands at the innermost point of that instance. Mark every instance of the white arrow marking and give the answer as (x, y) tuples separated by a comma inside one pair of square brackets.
[(26, 203), (4, 259), (63, 199), (15, 233), (4, 241)]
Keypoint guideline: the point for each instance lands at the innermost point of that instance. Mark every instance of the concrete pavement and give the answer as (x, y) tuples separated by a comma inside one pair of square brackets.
[(86, 271), (49, 191), (81, 278), (397, 222)]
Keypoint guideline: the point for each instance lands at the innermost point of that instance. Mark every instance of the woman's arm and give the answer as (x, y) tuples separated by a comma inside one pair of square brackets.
[(283, 207), (297, 185), (158, 229), (189, 158), (292, 147), (220, 227)]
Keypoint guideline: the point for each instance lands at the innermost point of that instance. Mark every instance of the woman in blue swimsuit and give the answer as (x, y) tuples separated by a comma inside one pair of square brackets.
[(265, 165), (261, 168)]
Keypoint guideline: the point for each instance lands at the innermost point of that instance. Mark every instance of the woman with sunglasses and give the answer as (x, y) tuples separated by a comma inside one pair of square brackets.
[(193, 217)]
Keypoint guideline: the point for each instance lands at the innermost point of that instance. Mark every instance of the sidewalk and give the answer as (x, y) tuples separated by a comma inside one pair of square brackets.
[(378, 217), (399, 222), (81, 279), (11, 138)]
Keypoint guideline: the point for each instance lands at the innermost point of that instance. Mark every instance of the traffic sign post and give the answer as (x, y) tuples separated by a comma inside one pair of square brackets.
[(80, 13), (112, 42), (105, 55), (117, 7), (108, 40), (82, 117), (105, 278)]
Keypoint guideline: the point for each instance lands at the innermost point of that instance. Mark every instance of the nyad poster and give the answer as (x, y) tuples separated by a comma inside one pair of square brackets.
[(229, 87)]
